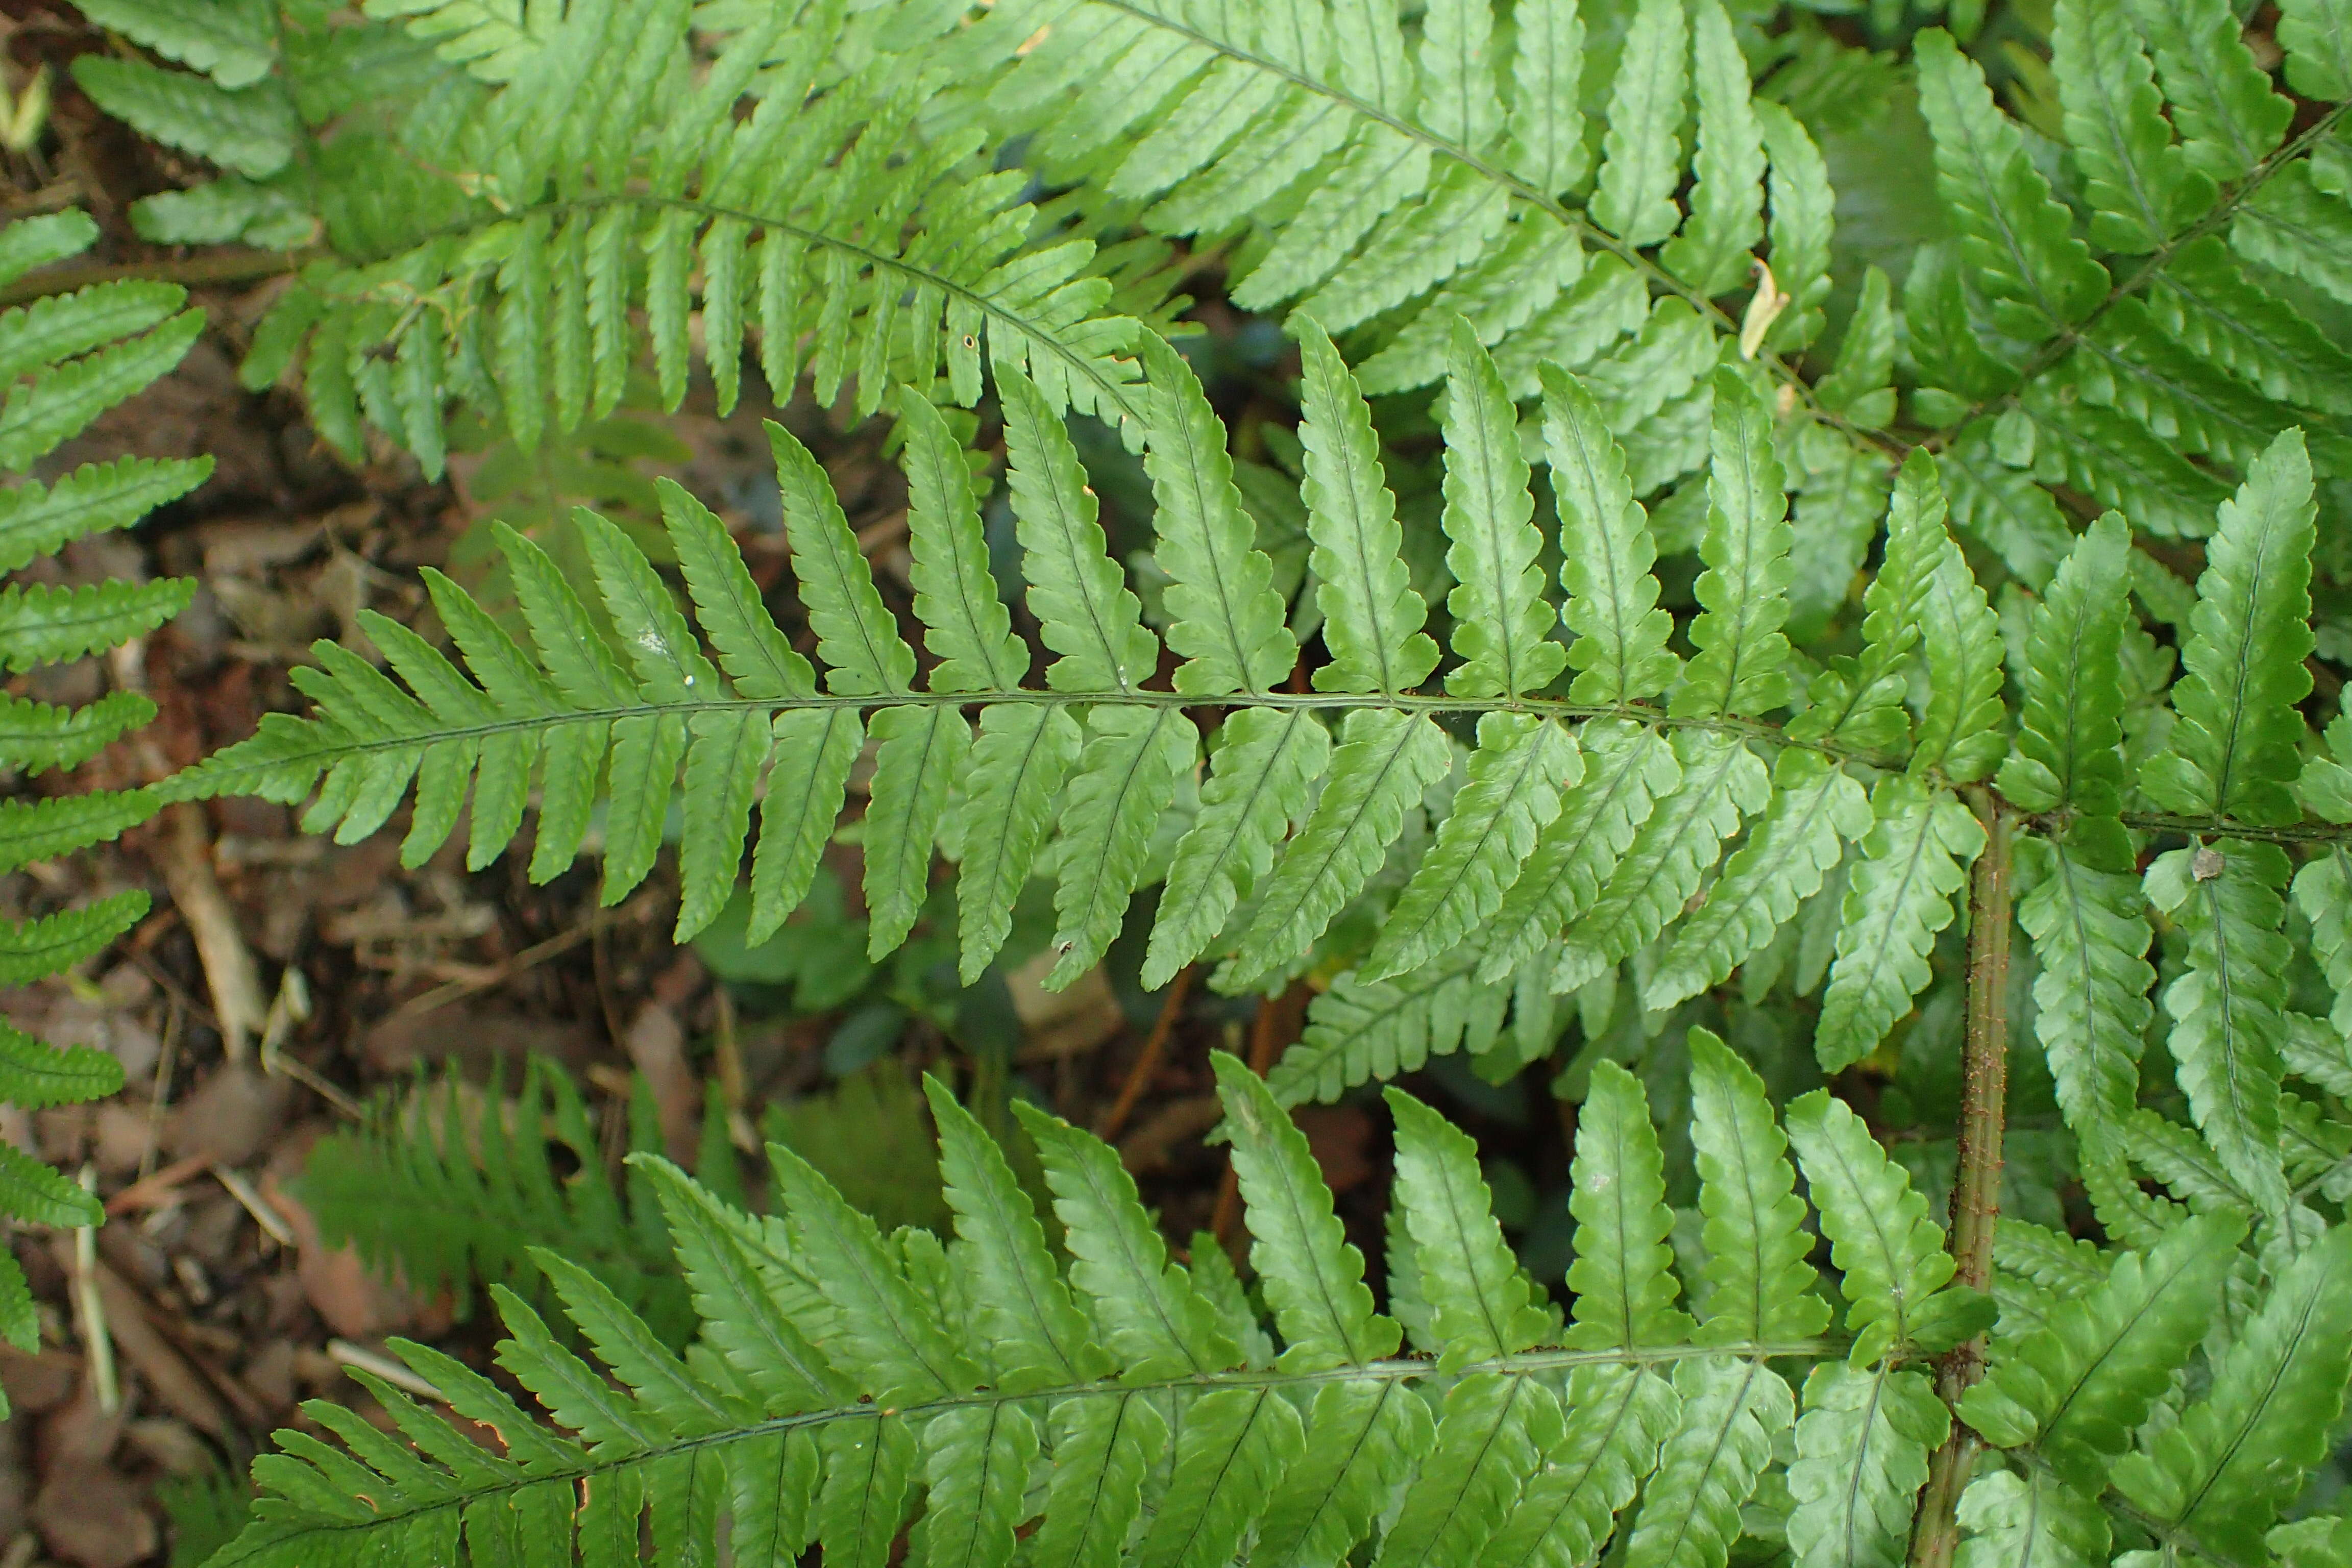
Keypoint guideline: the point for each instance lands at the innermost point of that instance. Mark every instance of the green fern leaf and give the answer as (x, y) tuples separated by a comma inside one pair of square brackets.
[(1741, 666), (1627, 769), (1364, 1440), (815, 749), (1616, 1418), (1731, 1413), (1355, 1032), (1486, 1308), (2236, 1456), (2016, 236), (1622, 1277), (1802, 218), (230, 43), (1640, 149), (1372, 617), (920, 754), (726, 603), (2069, 730), (2140, 186), (1816, 811), (2323, 891), (36, 520), (1727, 216), (878, 1330), (1312, 1276), (37, 1075), (1548, 144), (2233, 752), (1151, 1318), (1083, 609), (1037, 1336), (1006, 800), (2033, 1521), (1493, 1431), (1516, 777), (2317, 38), (1861, 1457), (1234, 1442), (857, 643), (2090, 1007), (1101, 1449), (252, 131), (33, 830), (1759, 1289), (967, 626), (2081, 1385), (1228, 620), (2228, 1002), (1722, 780), (2220, 98), (39, 414), (38, 736), (977, 1462), (1959, 732), (735, 1283), (869, 1466), (31, 949), (1890, 1254), (1266, 762), (1606, 554), (1500, 618), (1385, 760), (1899, 897), (1110, 808)]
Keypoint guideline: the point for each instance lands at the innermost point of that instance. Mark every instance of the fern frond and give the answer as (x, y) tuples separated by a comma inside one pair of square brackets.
[(448, 1187), (1759, 1285), (1623, 1284), (1891, 1254), (1816, 811), (2091, 1002), (1740, 667), (2015, 1519), (2069, 731), (2236, 1456), (2226, 1004), (2242, 672), (2080, 1385), (1513, 792), (1899, 897), (1862, 1457)]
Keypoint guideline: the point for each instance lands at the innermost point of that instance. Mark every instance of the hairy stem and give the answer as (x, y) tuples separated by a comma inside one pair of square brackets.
[(1976, 1191)]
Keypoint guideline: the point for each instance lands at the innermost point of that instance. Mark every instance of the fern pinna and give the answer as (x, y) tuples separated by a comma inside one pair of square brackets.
[(1121, 1407), (66, 358), (1588, 184)]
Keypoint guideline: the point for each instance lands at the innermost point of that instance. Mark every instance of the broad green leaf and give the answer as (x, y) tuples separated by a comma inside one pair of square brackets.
[(1312, 1276), (1501, 620), (1623, 1276), (2227, 1002), (1227, 618), (1484, 1307)]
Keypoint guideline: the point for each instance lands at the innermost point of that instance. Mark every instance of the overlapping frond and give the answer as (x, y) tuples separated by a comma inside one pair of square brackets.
[(530, 235), (826, 1392), (66, 358)]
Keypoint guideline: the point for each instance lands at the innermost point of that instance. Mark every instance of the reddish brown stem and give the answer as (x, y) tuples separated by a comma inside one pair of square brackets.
[(1976, 1191), (1147, 1064)]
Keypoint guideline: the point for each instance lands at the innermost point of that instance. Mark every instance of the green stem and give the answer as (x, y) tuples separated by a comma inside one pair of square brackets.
[(1976, 1191)]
